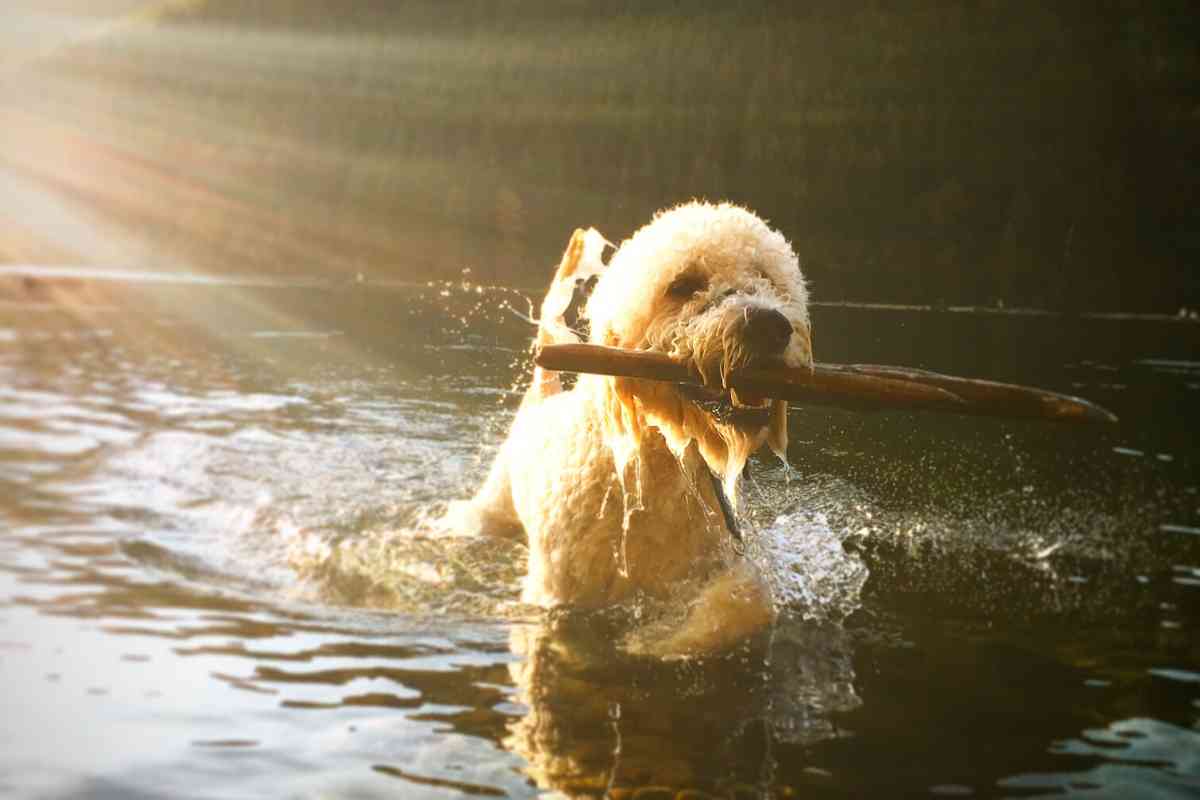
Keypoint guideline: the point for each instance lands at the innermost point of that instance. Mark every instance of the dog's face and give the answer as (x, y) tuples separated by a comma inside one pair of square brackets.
[(712, 284)]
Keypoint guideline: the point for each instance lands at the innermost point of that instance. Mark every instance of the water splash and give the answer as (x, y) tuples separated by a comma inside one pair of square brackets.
[(796, 533), (809, 570), (412, 571)]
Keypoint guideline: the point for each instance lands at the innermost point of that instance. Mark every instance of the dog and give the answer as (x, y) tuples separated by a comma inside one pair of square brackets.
[(626, 490)]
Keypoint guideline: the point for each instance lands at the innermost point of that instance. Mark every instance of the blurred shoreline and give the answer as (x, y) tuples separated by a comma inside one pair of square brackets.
[(928, 154)]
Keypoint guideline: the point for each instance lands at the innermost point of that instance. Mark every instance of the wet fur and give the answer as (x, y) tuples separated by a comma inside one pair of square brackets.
[(611, 481)]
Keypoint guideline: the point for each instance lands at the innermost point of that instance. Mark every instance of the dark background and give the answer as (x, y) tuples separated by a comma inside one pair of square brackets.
[(1025, 153)]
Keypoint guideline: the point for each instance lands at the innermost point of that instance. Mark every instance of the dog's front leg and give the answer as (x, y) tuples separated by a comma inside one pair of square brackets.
[(490, 512)]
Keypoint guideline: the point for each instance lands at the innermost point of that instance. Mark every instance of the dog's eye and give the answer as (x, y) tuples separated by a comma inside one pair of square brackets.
[(687, 285)]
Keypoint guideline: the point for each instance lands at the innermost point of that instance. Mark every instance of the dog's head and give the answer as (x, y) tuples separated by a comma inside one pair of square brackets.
[(715, 285)]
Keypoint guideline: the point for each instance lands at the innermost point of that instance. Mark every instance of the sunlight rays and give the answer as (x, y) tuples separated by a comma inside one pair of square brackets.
[(154, 155), (175, 141)]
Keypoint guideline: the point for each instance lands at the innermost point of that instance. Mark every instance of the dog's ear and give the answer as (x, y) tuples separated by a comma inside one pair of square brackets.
[(777, 436), (577, 273)]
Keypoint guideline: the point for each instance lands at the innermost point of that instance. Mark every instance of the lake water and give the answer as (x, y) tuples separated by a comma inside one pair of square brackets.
[(217, 578)]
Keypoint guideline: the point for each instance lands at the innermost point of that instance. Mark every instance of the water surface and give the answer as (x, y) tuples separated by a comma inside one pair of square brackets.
[(217, 577)]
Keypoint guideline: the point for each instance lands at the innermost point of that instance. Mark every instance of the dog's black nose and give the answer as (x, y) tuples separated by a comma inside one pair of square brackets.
[(767, 331)]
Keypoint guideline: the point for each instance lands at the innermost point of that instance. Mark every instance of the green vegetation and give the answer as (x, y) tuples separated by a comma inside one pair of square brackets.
[(1037, 153)]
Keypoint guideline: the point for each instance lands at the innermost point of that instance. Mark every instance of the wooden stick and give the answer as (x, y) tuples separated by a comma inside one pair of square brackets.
[(992, 398), (823, 386), (856, 386)]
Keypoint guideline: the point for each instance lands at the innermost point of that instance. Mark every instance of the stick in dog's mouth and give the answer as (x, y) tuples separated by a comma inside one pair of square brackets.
[(863, 387)]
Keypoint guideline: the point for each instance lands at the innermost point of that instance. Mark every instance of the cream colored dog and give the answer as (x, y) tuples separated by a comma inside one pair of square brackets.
[(627, 489)]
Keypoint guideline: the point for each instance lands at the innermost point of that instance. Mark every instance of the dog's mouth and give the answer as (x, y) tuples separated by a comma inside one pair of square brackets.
[(728, 406)]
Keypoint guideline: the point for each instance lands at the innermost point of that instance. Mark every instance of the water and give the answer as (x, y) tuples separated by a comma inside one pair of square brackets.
[(218, 578)]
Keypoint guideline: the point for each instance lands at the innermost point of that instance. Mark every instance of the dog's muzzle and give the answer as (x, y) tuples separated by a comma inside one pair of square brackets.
[(766, 334)]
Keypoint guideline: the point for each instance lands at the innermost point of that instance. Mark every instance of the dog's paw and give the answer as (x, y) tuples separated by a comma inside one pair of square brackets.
[(468, 518)]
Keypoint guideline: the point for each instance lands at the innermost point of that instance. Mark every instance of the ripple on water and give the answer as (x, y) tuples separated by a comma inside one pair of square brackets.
[(1129, 753), (325, 472), (1176, 675)]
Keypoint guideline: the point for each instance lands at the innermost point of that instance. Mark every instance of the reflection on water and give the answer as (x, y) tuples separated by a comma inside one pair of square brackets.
[(216, 572)]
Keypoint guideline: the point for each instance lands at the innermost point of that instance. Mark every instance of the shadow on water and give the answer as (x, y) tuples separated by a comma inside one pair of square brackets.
[(214, 570)]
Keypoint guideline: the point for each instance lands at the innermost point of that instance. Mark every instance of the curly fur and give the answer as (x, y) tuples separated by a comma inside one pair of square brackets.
[(609, 481)]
